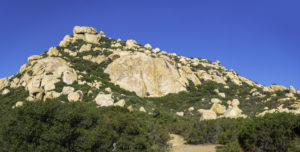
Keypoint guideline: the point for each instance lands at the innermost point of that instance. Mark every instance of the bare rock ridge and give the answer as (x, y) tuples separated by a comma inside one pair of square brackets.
[(146, 71)]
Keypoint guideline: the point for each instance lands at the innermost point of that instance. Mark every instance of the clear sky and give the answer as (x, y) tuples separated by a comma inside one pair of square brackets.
[(259, 39)]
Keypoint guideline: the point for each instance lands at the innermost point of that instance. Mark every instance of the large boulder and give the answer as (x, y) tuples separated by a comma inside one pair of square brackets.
[(88, 34), (67, 90), (208, 115), (145, 75), (53, 52), (18, 104), (218, 108), (131, 44), (5, 92), (75, 96), (104, 100), (292, 90), (34, 58), (66, 41), (120, 103)]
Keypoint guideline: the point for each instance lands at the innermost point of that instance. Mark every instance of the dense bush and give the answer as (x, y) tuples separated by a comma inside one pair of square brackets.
[(79, 127), (274, 132)]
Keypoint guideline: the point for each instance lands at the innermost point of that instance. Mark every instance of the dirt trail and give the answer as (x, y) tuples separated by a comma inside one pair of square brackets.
[(179, 146)]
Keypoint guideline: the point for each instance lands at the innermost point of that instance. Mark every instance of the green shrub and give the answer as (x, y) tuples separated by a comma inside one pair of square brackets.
[(40, 126), (273, 132)]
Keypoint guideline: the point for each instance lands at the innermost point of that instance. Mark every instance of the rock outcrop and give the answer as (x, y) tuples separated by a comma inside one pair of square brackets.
[(3, 83), (87, 34), (145, 75)]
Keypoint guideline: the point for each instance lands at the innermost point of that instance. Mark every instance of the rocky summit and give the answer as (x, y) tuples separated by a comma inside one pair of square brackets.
[(89, 67)]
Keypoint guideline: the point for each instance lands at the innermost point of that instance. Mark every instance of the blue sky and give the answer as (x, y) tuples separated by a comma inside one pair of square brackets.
[(259, 39)]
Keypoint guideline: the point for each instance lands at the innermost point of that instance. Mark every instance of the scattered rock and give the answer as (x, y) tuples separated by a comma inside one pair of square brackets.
[(114, 56), (223, 95), (215, 100), (208, 115), (51, 95), (85, 48), (18, 104), (66, 41), (4, 83), (67, 90), (53, 52), (34, 58), (235, 102), (131, 44), (156, 50), (75, 96), (108, 90), (289, 95), (181, 114), (104, 100), (99, 59), (191, 109), (218, 108), (130, 108), (120, 103), (69, 76), (5, 92), (142, 109), (148, 46), (292, 90), (36, 93), (275, 88), (233, 111)]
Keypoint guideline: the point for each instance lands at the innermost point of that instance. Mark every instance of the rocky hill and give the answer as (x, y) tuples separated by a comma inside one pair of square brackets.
[(88, 67)]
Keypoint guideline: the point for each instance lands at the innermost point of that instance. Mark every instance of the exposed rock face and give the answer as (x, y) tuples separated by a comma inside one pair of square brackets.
[(104, 100), (46, 72), (88, 34), (53, 52), (145, 75), (275, 88), (3, 83), (66, 41), (34, 58)]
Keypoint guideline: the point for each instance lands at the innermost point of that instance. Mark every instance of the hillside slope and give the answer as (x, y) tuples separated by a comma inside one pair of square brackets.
[(90, 68)]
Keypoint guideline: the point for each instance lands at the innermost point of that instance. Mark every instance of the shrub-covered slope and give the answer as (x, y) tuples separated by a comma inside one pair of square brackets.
[(94, 93)]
